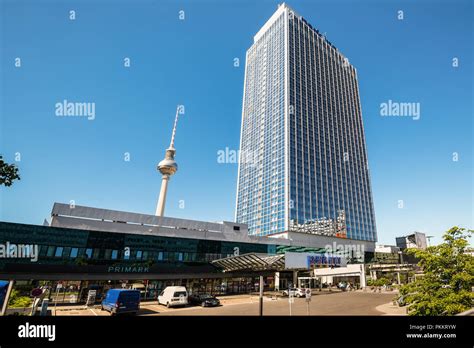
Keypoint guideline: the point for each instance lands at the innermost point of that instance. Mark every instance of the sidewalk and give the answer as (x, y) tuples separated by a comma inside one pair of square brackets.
[(245, 298), (226, 299)]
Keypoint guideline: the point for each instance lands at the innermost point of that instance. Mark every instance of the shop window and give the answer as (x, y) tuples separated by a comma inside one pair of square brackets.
[(50, 251), (59, 252), (43, 250), (66, 251), (95, 254), (88, 253), (107, 254), (74, 252)]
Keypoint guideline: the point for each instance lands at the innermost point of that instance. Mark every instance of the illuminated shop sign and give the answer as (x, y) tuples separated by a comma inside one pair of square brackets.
[(324, 261), (295, 260), (128, 269)]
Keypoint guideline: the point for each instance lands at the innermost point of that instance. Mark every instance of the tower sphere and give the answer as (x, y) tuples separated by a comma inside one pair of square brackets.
[(167, 166)]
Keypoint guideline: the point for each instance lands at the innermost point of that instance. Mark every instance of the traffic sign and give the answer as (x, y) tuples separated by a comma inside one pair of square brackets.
[(308, 298), (308, 294), (91, 296)]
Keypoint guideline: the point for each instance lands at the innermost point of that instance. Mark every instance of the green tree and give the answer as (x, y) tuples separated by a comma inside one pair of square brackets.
[(16, 300), (446, 286), (8, 173)]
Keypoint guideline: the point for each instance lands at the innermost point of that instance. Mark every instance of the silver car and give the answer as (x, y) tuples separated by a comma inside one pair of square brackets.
[(296, 292)]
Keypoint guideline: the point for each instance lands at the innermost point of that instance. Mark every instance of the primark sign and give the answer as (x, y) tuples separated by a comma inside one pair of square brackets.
[(128, 269), (312, 260)]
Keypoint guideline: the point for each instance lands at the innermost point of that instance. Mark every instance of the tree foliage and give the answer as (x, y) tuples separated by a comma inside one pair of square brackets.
[(448, 277), (17, 301), (8, 173)]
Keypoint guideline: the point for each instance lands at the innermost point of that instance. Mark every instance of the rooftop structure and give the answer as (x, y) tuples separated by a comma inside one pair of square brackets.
[(415, 240), (95, 219)]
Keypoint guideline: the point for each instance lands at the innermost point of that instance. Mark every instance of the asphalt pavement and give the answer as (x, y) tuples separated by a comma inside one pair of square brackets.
[(338, 303)]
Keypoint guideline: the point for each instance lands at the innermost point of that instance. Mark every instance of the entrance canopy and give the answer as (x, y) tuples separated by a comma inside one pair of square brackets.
[(280, 262), (251, 262)]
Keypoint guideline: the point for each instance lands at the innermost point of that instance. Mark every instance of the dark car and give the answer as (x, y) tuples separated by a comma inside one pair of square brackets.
[(204, 300)]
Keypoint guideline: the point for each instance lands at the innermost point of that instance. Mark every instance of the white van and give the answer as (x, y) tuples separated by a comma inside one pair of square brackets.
[(139, 286), (173, 296)]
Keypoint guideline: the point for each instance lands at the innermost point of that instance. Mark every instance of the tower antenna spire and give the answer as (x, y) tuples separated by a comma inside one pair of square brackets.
[(174, 128)]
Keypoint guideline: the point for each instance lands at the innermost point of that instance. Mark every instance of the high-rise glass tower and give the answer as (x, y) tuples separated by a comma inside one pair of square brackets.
[(303, 160)]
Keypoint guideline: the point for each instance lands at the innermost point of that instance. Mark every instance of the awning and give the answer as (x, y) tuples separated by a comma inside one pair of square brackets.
[(251, 261)]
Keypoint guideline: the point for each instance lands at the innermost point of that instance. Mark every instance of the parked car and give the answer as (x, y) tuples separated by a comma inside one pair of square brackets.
[(204, 300), (173, 296), (119, 301), (296, 292), (342, 286)]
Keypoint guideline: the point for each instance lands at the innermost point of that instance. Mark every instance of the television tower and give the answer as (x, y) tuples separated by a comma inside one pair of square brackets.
[(167, 167)]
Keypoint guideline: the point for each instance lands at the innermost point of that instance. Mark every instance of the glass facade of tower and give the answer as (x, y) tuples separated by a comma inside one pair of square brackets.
[(261, 201), (302, 124)]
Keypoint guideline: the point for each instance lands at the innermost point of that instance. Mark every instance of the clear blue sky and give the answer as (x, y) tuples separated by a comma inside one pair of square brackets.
[(190, 62)]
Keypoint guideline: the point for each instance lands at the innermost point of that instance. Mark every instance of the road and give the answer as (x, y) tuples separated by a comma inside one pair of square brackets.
[(341, 303), (345, 303)]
